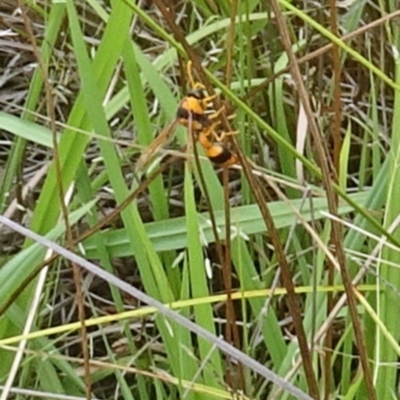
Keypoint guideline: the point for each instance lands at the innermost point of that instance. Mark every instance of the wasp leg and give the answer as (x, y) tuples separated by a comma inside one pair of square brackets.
[(207, 100), (219, 137), (210, 130), (217, 113)]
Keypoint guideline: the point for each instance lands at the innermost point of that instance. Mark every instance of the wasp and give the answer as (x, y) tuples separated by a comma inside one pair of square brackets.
[(192, 113), (216, 150)]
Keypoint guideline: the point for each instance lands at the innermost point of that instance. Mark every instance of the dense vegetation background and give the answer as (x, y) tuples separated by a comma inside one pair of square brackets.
[(291, 256)]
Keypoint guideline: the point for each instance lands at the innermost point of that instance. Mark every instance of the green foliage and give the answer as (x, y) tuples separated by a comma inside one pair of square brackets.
[(113, 68)]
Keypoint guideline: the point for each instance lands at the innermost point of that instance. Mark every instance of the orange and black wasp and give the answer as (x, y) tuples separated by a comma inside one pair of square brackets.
[(216, 150), (192, 113)]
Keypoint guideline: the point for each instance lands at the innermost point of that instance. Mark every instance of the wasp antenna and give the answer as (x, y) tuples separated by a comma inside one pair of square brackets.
[(189, 74), (193, 84)]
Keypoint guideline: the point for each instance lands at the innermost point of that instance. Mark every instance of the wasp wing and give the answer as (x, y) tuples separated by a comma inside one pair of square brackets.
[(154, 147)]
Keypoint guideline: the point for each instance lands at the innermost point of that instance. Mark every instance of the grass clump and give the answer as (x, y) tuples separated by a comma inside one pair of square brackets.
[(290, 256)]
